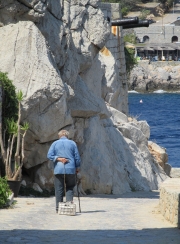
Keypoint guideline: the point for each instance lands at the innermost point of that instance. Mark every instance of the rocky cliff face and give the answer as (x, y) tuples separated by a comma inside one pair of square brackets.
[(148, 77), (50, 50)]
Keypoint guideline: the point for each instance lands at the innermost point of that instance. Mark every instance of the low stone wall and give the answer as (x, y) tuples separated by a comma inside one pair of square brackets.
[(169, 202)]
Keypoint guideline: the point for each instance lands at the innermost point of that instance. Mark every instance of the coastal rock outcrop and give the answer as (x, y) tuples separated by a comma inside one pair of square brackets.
[(147, 77), (50, 49)]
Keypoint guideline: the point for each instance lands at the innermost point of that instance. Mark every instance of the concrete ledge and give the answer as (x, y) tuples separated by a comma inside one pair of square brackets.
[(169, 202)]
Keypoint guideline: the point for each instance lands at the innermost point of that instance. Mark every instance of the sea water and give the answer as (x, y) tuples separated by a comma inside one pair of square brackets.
[(162, 113)]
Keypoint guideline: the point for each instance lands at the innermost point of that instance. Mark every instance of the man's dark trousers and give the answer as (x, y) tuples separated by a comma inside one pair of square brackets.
[(70, 180)]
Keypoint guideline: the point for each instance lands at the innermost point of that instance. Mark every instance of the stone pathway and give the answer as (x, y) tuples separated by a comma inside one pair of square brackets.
[(132, 218)]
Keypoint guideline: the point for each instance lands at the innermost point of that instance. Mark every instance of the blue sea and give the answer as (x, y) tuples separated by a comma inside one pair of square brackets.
[(162, 113)]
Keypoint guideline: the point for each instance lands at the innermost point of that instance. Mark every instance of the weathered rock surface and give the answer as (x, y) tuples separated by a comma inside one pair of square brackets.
[(12, 11), (175, 173), (159, 153), (114, 162), (155, 76), (30, 65), (50, 50)]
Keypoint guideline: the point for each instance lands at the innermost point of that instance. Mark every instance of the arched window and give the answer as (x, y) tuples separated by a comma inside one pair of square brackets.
[(137, 40), (146, 39), (174, 39)]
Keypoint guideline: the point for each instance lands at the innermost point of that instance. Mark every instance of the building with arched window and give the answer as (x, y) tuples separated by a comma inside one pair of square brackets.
[(146, 39), (158, 43), (174, 39), (158, 34)]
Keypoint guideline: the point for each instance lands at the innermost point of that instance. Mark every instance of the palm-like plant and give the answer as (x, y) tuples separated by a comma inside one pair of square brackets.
[(16, 134)]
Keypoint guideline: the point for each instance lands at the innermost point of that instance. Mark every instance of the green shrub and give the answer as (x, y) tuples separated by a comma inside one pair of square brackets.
[(9, 108), (144, 14), (131, 61), (125, 10), (130, 38), (4, 192), (9, 99)]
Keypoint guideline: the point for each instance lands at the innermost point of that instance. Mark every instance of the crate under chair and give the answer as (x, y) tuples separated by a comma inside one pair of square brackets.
[(67, 208)]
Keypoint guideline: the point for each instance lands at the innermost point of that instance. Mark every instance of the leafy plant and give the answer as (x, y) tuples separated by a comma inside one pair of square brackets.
[(131, 61), (5, 192), (9, 99), (144, 14), (16, 134), (130, 38), (125, 10), (8, 111)]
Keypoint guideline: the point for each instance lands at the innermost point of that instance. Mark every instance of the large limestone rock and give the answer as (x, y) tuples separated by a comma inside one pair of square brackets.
[(12, 11), (114, 164), (84, 103), (30, 65), (117, 117), (144, 127), (50, 50), (107, 74), (44, 176)]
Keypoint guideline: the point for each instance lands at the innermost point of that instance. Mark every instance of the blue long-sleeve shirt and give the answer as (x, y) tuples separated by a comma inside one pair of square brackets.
[(64, 148)]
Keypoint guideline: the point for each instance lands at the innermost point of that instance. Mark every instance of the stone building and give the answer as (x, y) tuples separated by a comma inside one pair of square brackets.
[(159, 34), (158, 43)]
